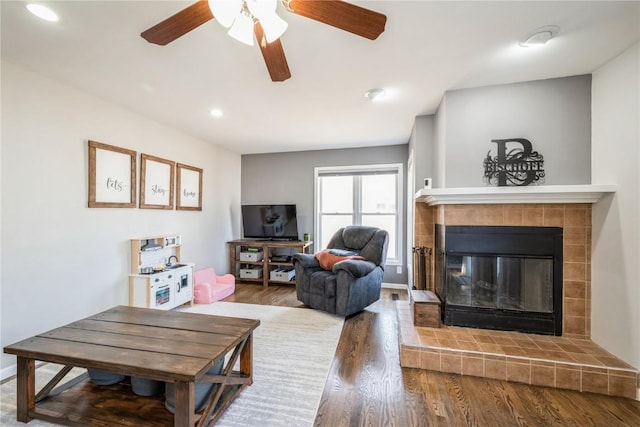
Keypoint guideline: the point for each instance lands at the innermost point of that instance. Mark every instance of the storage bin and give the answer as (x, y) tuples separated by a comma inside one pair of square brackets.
[(202, 390), (146, 387), (101, 377), (251, 273), (282, 274), (250, 256)]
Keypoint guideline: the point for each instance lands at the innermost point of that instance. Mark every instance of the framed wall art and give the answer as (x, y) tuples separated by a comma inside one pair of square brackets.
[(112, 176), (157, 177), (189, 188)]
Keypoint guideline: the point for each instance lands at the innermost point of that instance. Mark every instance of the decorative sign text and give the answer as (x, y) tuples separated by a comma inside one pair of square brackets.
[(516, 164), (113, 176)]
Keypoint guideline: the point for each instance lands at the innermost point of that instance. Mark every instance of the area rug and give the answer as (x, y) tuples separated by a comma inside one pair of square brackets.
[(293, 352)]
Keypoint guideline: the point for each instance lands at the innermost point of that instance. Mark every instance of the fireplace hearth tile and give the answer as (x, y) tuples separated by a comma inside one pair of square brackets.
[(448, 343), (621, 385), (495, 367), (503, 340), (463, 335), (451, 361), (571, 348), (612, 362), (430, 360), (469, 345), (518, 371), (543, 373), (568, 376), (491, 348), (410, 357), (593, 369), (547, 345), (525, 343), (595, 380), (586, 359), (513, 350), (472, 364), (484, 339)]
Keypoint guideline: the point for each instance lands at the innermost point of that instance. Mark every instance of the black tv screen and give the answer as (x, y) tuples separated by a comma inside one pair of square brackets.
[(277, 222)]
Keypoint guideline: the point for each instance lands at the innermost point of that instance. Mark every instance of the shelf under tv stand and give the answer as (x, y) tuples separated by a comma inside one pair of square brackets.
[(268, 249)]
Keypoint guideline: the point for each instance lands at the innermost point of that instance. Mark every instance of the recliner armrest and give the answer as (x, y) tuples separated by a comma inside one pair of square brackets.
[(357, 268), (306, 260)]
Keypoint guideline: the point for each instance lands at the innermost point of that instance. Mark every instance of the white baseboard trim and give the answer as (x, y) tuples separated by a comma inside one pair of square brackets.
[(11, 371), (394, 285), (7, 372)]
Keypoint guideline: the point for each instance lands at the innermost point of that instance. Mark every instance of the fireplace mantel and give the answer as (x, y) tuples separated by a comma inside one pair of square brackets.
[(504, 195)]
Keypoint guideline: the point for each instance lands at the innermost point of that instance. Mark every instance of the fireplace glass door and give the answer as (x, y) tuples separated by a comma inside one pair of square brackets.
[(500, 282)]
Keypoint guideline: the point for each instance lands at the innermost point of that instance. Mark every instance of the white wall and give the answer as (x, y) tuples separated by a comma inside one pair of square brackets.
[(615, 312), (553, 114), (62, 261)]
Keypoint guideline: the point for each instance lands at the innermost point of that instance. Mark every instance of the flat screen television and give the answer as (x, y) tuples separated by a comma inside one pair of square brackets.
[(270, 222)]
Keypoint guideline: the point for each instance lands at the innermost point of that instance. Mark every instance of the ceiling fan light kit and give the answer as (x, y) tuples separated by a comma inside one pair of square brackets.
[(273, 27), (242, 29), (246, 18), (241, 15), (225, 11), (265, 12)]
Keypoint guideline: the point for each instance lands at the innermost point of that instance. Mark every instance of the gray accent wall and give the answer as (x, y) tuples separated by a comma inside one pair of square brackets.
[(289, 178), (422, 143), (554, 114)]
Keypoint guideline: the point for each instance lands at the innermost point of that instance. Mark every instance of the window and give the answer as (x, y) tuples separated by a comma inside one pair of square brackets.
[(364, 195)]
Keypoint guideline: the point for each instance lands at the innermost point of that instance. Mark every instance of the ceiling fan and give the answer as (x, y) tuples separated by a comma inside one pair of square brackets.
[(337, 13)]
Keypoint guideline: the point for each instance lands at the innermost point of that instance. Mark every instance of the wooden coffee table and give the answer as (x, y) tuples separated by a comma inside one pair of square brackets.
[(167, 346)]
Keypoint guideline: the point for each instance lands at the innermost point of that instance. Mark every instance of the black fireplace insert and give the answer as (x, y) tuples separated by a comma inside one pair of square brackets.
[(497, 277)]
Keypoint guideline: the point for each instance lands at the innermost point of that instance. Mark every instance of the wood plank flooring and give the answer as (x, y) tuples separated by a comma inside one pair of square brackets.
[(367, 387)]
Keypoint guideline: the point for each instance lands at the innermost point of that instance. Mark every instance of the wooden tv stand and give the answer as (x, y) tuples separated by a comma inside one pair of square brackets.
[(264, 266)]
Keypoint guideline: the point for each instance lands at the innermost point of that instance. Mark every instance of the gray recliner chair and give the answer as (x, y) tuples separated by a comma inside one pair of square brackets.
[(352, 284)]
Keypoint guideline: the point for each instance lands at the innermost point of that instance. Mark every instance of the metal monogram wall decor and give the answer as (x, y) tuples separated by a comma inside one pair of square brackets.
[(516, 164)]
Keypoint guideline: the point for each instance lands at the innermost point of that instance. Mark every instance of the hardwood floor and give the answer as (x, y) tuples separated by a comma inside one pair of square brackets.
[(367, 387)]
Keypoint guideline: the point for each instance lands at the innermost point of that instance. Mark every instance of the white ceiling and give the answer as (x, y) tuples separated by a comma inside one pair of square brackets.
[(428, 47)]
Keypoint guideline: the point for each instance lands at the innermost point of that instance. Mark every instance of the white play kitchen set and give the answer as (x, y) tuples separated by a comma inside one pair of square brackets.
[(158, 279)]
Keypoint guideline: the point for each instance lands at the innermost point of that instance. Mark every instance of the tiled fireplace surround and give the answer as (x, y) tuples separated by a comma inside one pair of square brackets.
[(571, 361)]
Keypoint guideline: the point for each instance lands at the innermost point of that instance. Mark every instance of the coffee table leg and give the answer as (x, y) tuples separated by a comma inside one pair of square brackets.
[(246, 359), (26, 388), (185, 404)]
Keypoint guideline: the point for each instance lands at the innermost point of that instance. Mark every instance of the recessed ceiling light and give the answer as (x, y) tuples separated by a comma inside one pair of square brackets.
[(375, 94), (43, 12), (539, 36), (216, 113)]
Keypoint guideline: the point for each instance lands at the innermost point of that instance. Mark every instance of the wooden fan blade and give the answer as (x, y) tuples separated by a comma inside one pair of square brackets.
[(179, 24), (273, 55), (339, 14)]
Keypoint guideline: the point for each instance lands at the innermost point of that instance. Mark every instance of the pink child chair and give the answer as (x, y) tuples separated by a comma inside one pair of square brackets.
[(209, 287)]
